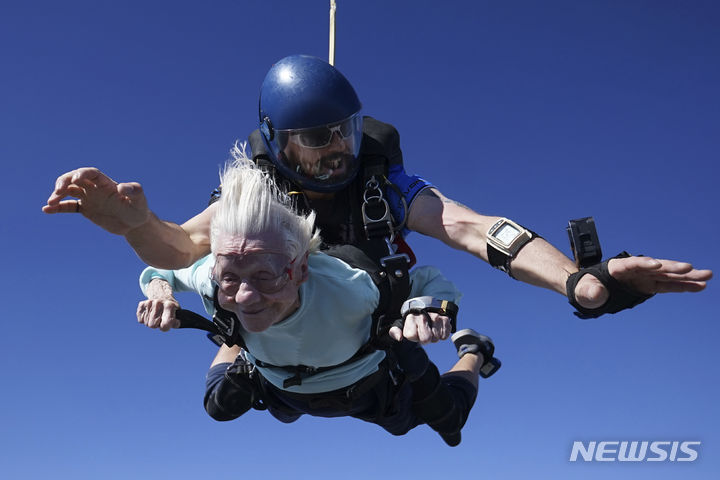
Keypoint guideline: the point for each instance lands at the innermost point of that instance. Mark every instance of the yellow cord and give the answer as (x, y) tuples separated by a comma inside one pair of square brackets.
[(331, 53)]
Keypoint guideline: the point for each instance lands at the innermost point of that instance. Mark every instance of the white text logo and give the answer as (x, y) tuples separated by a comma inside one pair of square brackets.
[(644, 451)]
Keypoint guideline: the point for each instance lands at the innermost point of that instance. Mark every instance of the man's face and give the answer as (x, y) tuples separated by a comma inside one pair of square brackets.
[(330, 164), (258, 280)]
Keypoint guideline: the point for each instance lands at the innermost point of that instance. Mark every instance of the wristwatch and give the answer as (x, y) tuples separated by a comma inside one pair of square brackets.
[(504, 240)]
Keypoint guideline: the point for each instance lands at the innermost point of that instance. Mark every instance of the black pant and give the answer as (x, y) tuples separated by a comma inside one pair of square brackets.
[(385, 398)]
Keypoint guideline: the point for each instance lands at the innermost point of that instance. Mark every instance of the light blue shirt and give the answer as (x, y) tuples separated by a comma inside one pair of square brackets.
[(331, 324)]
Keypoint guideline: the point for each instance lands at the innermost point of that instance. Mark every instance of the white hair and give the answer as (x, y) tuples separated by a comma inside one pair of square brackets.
[(251, 204)]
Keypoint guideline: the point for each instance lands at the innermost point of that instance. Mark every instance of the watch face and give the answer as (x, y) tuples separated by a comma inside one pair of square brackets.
[(507, 233)]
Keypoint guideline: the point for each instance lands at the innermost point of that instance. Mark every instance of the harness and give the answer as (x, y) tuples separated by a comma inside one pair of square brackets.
[(377, 248), (393, 286), (359, 214), (374, 246)]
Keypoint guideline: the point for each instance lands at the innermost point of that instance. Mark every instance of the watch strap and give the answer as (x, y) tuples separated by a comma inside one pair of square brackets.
[(498, 259)]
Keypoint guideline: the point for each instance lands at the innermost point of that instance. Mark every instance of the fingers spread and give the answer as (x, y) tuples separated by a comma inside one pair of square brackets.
[(649, 275), (60, 185), (667, 287), (670, 266), (91, 175), (618, 267), (68, 183), (682, 271), (52, 209)]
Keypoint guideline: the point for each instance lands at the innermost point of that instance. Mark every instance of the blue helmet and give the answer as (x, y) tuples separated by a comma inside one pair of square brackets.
[(311, 122)]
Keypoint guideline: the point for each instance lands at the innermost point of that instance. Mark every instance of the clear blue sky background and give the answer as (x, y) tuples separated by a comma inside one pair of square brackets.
[(539, 111)]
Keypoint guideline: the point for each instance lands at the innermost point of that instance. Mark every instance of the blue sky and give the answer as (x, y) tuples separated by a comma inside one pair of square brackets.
[(539, 111)]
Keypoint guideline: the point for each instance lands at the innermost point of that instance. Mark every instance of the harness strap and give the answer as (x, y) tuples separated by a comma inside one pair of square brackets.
[(300, 370), (344, 398), (376, 216), (394, 289), (189, 319), (391, 278), (227, 323)]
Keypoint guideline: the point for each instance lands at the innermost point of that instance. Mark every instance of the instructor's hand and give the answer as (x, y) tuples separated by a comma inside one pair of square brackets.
[(115, 207), (643, 274)]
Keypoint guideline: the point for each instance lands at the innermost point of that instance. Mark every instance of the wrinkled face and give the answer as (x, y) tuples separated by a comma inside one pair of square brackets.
[(257, 279)]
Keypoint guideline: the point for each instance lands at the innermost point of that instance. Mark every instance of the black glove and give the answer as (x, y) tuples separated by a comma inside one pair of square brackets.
[(621, 297)]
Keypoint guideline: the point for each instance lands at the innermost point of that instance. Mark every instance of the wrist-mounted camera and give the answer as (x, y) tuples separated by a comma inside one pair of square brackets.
[(584, 242)]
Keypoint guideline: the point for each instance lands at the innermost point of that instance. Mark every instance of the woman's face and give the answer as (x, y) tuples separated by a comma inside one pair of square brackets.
[(258, 280)]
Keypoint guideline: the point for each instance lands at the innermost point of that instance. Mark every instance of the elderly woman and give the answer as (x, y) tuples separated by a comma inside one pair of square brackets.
[(300, 307)]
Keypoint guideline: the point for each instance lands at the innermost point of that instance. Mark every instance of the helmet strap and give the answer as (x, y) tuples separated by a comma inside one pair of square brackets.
[(266, 127)]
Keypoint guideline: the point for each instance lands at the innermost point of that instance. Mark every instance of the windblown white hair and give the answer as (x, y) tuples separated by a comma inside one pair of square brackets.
[(251, 204)]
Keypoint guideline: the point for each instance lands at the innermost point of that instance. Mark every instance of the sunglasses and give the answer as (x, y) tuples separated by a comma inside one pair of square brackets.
[(264, 282), (321, 137)]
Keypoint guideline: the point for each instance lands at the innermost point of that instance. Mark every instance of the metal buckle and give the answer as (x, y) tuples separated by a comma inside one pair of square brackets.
[(400, 270), (384, 261), (225, 329), (386, 213), (373, 198), (372, 184)]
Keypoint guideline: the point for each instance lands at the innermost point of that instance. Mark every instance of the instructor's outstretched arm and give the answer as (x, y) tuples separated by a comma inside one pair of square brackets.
[(539, 263), (122, 209)]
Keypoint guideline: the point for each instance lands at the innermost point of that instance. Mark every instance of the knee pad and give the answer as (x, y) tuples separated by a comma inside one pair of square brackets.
[(412, 359), (230, 398), (436, 404)]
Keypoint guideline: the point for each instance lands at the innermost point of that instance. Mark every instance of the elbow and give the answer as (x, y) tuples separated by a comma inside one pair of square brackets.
[(466, 236)]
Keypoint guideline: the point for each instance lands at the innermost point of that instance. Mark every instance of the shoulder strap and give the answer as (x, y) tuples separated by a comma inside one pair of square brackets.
[(392, 279), (227, 324)]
